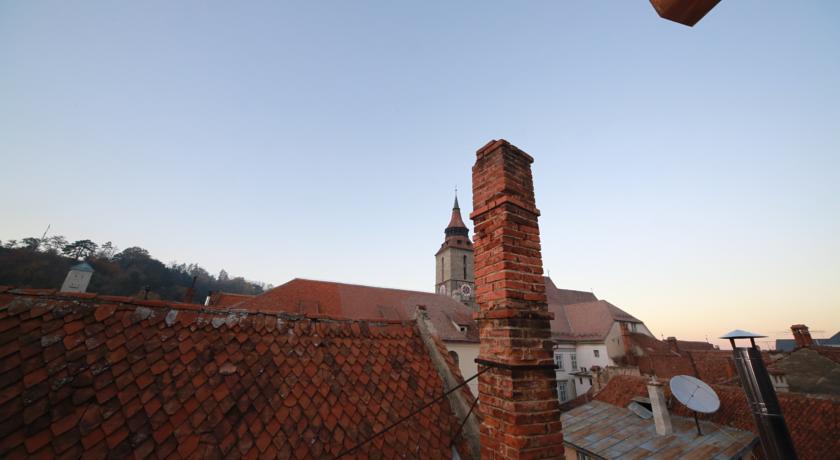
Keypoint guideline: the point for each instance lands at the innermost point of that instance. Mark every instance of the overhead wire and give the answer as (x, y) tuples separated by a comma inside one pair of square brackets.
[(463, 422), (412, 414)]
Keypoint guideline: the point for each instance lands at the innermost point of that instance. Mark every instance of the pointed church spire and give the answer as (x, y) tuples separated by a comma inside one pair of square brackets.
[(456, 224)]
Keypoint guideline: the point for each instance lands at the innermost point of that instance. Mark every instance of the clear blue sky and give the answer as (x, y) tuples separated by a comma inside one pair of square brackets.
[(689, 175)]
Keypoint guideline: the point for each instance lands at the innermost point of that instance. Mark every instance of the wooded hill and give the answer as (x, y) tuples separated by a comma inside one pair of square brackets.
[(37, 263)]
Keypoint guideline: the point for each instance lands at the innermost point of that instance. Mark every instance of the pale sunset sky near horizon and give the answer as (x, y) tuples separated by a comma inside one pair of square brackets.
[(690, 176)]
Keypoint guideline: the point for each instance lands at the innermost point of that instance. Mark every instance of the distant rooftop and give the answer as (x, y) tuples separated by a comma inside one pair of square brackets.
[(790, 344), (579, 315), (356, 301)]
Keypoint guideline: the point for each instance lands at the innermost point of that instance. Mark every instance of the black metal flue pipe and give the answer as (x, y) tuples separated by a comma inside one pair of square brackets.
[(761, 396)]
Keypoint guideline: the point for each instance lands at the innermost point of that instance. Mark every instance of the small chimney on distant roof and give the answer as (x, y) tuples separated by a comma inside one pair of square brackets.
[(208, 299), (672, 344), (661, 417), (802, 335), (188, 297), (625, 340)]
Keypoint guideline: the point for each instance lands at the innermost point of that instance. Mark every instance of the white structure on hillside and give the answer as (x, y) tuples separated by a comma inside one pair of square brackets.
[(78, 278), (587, 333)]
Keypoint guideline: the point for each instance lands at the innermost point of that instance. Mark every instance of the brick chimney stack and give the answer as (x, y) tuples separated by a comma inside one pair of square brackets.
[(626, 341), (672, 344), (517, 393), (801, 335)]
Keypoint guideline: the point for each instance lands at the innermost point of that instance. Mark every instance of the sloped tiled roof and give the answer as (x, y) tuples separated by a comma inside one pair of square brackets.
[(106, 376), (694, 345), (227, 299), (809, 371), (832, 353), (579, 315), (611, 432), (366, 302), (557, 296), (646, 344), (813, 422)]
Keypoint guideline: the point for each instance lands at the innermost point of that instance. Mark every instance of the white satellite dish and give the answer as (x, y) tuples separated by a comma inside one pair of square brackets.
[(694, 394)]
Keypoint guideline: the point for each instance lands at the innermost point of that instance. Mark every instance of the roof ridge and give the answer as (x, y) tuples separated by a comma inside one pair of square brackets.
[(197, 308), (362, 285)]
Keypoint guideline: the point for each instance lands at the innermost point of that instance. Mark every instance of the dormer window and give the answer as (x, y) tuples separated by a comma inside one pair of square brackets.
[(461, 327)]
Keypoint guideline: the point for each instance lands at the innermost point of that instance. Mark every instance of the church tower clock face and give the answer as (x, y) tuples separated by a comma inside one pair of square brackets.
[(466, 290), (441, 289)]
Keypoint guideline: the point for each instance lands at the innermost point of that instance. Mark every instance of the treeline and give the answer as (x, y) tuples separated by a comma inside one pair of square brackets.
[(44, 263)]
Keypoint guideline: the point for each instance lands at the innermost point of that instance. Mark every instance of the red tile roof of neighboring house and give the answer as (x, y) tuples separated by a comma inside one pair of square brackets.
[(644, 344), (367, 302), (110, 376), (655, 357), (813, 422), (809, 371), (227, 299), (694, 345), (832, 353), (557, 296), (580, 315)]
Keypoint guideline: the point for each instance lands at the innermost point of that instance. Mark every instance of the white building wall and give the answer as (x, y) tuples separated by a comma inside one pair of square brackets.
[(588, 355), (563, 359), (614, 342)]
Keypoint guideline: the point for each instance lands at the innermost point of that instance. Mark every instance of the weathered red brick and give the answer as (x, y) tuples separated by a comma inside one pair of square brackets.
[(520, 412)]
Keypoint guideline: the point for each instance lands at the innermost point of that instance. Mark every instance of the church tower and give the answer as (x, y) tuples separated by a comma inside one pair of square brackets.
[(454, 261)]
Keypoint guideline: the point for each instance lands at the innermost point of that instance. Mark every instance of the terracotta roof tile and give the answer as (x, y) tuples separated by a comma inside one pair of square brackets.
[(227, 299), (369, 303), (119, 377), (579, 315), (813, 422)]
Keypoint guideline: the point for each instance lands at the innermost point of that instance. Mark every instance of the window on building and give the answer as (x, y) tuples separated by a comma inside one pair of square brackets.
[(465, 268), (454, 356), (580, 380), (574, 360), (558, 360), (633, 327), (442, 260), (562, 392), (582, 456), (597, 353)]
